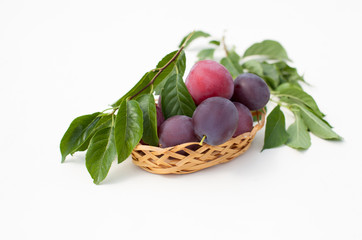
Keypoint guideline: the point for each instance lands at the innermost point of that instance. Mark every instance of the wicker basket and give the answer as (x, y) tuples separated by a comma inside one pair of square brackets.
[(181, 160)]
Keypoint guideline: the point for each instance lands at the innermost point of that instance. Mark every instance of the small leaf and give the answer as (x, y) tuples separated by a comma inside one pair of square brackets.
[(269, 48), (215, 42), (207, 53), (231, 62), (298, 133), (128, 128), (298, 96), (253, 66), (101, 153), (77, 133), (317, 126), (148, 107), (230, 66), (176, 99), (275, 133), (195, 35)]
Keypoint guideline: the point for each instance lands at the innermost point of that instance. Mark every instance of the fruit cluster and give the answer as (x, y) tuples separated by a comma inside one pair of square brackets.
[(223, 108)]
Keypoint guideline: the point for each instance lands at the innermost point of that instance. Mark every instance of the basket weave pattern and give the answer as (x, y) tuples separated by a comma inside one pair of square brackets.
[(181, 160)]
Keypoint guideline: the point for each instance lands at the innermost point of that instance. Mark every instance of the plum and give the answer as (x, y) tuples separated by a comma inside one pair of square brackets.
[(177, 130), (208, 78), (245, 123), (160, 117), (251, 90), (216, 119)]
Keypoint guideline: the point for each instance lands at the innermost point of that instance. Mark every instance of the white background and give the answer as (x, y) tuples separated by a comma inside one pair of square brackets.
[(63, 59)]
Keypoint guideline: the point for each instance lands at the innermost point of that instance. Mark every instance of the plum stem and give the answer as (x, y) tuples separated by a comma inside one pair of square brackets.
[(202, 140)]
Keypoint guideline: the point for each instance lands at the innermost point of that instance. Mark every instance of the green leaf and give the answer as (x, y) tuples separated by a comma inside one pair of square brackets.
[(269, 48), (271, 75), (275, 133), (176, 99), (77, 133), (287, 85), (207, 53), (148, 107), (253, 66), (104, 122), (231, 62), (299, 137), (288, 73), (195, 35), (215, 42), (230, 66), (317, 126), (235, 58), (180, 64), (128, 128), (179, 68), (101, 153), (298, 96)]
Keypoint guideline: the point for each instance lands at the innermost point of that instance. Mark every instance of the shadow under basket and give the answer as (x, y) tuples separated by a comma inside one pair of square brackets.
[(181, 159)]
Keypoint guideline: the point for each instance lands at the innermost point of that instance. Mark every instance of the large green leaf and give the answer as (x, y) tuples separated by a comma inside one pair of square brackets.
[(179, 68), (298, 96), (148, 107), (101, 153), (104, 122), (275, 133), (181, 63), (77, 133), (176, 99), (269, 48), (128, 128), (195, 35), (317, 126), (299, 137)]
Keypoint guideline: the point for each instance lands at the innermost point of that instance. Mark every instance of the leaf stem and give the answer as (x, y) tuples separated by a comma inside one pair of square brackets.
[(160, 70), (224, 46)]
